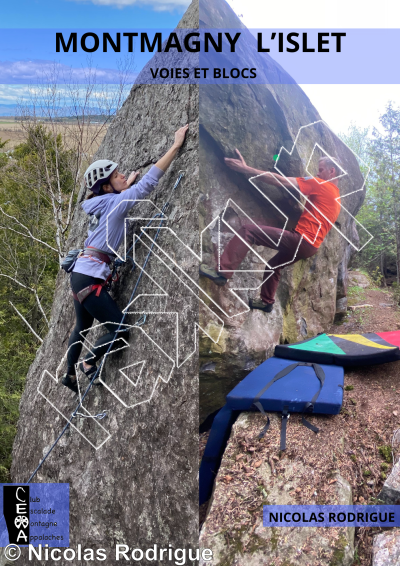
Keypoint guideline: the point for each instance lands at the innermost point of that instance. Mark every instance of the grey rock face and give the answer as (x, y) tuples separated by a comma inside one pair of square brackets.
[(341, 309), (259, 120), (390, 493), (140, 487), (387, 548), (359, 279)]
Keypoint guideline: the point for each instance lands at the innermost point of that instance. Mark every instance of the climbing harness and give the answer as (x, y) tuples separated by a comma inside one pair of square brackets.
[(90, 251), (86, 291), (71, 258), (107, 258), (140, 322)]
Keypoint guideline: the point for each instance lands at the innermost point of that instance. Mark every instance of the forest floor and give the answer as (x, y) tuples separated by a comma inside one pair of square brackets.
[(358, 442), (371, 411)]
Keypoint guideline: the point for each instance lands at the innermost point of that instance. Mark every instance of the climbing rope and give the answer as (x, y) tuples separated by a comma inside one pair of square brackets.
[(141, 321)]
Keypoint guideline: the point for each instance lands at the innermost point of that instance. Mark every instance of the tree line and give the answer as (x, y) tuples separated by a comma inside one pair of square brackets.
[(379, 149), (39, 183)]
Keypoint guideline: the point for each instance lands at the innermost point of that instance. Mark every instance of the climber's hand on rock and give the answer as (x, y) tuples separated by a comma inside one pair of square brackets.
[(237, 164), (180, 136), (167, 159), (241, 159), (132, 177)]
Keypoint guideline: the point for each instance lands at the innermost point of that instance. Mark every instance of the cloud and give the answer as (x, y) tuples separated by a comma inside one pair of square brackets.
[(9, 94), (14, 98), (47, 72), (157, 5)]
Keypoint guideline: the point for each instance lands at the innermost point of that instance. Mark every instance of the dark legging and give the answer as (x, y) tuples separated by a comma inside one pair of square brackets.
[(101, 308), (291, 248)]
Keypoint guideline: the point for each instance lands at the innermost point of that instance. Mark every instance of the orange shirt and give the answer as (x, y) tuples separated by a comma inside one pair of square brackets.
[(315, 223)]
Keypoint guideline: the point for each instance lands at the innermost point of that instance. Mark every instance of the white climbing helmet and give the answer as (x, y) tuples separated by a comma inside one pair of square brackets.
[(98, 173)]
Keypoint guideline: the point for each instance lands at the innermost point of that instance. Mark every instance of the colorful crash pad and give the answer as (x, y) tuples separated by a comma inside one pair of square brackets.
[(344, 349)]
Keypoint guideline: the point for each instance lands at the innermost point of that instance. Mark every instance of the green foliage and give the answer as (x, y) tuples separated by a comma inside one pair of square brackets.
[(380, 213), (396, 292), (3, 156), (386, 452), (28, 262), (377, 276), (349, 388), (356, 295), (43, 154)]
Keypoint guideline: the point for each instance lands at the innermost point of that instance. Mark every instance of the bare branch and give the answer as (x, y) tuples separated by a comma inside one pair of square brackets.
[(31, 237), (26, 322), (60, 104), (29, 289)]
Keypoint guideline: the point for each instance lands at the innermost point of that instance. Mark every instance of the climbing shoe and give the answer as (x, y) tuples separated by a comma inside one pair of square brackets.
[(212, 274), (68, 382), (260, 305), (88, 372)]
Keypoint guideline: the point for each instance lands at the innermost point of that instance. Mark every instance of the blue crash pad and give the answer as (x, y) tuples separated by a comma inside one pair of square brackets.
[(293, 390)]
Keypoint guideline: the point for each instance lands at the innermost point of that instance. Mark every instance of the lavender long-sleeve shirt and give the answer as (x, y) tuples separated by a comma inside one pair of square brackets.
[(104, 205)]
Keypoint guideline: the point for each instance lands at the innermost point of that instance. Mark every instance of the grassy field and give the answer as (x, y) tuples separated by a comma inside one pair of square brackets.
[(12, 130)]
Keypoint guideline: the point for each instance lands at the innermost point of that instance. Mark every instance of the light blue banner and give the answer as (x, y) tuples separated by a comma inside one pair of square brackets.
[(331, 516), (205, 56), (48, 515)]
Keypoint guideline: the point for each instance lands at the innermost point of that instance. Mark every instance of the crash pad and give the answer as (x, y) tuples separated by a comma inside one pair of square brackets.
[(292, 391), (344, 349)]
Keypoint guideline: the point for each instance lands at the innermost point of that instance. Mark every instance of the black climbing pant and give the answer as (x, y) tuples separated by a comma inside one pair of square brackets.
[(102, 308)]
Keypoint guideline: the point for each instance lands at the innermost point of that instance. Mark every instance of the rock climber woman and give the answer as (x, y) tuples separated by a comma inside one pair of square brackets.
[(110, 191)]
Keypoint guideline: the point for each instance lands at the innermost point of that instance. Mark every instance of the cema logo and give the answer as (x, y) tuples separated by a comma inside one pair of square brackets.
[(16, 512)]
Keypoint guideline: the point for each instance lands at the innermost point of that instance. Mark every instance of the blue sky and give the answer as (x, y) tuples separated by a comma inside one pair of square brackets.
[(92, 13), (338, 104), (22, 21)]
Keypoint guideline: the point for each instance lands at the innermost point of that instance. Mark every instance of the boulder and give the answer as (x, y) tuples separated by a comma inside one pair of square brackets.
[(133, 475), (359, 279), (259, 120), (390, 493), (386, 549)]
